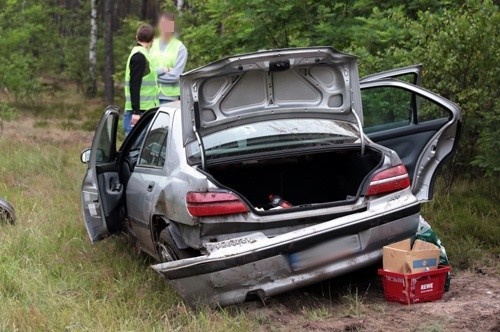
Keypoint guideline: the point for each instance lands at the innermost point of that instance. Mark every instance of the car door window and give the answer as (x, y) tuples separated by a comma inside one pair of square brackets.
[(392, 107), (411, 74), (386, 108), (106, 144), (429, 111), (154, 150), (132, 152)]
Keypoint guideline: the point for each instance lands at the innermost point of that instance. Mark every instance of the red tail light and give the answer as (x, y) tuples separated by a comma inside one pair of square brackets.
[(205, 204), (389, 180)]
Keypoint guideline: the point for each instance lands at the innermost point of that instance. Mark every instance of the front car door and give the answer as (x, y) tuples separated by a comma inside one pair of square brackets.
[(101, 189), (422, 127)]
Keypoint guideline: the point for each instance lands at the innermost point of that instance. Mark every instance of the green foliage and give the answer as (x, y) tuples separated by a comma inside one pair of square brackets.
[(25, 49), (458, 48), (8, 113), (456, 41), (460, 51), (219, 28), (73, 44)]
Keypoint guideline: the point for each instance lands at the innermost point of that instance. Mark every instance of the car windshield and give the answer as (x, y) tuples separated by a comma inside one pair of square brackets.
[(272, 136)]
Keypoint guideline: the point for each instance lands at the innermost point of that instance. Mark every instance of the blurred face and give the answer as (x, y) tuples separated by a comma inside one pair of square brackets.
[(166, 28)]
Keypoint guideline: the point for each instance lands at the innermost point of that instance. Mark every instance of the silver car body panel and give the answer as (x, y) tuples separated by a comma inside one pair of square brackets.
[(313, 82), (415, 71)]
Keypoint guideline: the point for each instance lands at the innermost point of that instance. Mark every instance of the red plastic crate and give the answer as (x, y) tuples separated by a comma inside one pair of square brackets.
[(415, 287)]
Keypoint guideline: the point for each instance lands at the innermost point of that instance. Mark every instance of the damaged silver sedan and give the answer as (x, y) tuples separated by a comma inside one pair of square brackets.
[(275, 170)]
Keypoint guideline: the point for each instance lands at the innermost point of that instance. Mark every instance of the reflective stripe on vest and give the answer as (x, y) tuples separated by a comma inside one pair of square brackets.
[(149, 87), (166, 59), (143, 100)]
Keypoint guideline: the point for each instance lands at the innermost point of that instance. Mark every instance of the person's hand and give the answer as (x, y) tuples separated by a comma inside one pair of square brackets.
[(135, 118)]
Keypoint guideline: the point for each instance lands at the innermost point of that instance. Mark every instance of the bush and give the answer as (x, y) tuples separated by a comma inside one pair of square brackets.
[(460, 51), (458, 48), (7, 113), (25, 49)]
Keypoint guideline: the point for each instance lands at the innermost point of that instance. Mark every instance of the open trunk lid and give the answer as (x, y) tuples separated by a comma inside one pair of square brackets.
[(291, 83)]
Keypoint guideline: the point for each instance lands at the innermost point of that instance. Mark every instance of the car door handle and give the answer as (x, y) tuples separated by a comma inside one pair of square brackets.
[(151, 185), (117, 187)]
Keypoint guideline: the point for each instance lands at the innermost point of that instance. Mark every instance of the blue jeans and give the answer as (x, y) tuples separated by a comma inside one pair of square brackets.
[(127, 119), (168, 100)]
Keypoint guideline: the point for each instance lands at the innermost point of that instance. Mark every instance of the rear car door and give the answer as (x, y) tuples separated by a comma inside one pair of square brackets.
[(148, 180), (102, 191), (422, 127), (410, 74)]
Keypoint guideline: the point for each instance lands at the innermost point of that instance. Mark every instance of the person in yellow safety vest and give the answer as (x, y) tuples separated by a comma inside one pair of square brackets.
[(169, 56), (141, 87)]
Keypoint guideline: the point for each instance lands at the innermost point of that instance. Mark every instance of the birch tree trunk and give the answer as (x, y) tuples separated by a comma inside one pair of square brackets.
[(109, 66), (92, 84), (180, 6)]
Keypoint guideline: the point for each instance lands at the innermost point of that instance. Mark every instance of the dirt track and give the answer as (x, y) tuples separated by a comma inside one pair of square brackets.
[(472, 304)]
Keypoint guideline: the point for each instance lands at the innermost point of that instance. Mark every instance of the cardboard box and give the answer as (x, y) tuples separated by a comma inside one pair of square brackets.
[(400, 257)]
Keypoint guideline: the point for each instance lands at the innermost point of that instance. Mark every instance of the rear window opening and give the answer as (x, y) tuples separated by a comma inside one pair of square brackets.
[(272, 136)]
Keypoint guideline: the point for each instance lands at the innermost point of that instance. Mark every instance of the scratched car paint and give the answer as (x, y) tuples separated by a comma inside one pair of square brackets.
[(194, 184)]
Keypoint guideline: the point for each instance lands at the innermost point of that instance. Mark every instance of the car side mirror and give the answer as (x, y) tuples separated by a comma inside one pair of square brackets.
[(85, 156)]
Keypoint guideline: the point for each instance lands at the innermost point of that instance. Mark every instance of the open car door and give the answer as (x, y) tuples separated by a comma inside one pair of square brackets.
[(102, 191), (422, 127), (411, 74)]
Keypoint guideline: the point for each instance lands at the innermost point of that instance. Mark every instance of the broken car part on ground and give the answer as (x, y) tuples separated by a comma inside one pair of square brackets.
[(7, 212)]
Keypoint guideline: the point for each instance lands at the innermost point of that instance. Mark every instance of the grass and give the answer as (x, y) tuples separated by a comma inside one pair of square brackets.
[(353, 302), (52, 278), (317, 313), (7, 112), (467, 220), (60, 105), (438, 326)]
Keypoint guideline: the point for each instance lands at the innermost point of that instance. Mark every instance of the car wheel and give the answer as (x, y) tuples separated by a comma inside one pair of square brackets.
[(168, 250)]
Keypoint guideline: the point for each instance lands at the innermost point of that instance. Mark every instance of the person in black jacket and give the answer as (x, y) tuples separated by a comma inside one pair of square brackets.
[(141, 90)]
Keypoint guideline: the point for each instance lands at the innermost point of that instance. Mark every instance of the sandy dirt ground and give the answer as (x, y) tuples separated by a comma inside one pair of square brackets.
[(27, 131), (472, 304)]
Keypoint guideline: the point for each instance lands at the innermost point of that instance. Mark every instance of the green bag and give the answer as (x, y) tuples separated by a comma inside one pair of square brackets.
[(425, 233)]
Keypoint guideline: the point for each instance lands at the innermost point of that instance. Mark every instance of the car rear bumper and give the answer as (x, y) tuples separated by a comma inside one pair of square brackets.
[(265, 266)]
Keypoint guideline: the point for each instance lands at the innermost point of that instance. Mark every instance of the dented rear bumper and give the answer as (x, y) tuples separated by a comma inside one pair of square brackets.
[(255, 264)]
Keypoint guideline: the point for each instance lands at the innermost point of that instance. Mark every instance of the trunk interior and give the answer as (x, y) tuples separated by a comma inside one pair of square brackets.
[(303, 180)]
